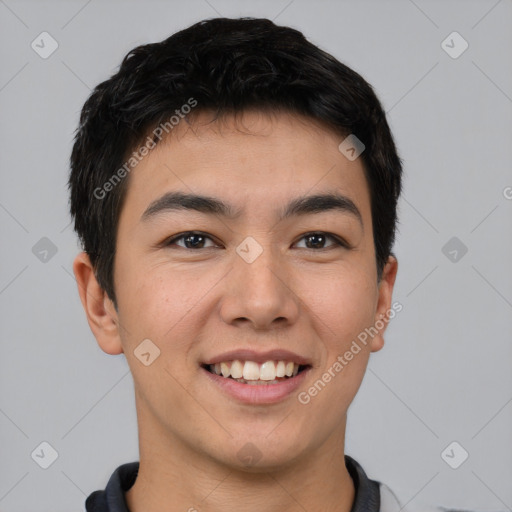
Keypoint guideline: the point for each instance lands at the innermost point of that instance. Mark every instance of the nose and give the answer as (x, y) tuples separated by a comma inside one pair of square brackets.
[(260, 293)]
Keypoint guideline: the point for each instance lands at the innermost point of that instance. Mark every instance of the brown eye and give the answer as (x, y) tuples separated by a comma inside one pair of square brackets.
[(318, 239), (191, 240)]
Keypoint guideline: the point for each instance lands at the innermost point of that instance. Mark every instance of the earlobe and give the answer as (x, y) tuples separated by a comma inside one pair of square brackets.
[(98, 307), (385, 295)]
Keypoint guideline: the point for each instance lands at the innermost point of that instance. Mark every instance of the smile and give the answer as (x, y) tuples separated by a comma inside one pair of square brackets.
[(258, 384), (252, 373)]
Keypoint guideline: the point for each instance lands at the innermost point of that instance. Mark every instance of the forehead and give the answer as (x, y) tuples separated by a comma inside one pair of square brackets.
[(255, 161)]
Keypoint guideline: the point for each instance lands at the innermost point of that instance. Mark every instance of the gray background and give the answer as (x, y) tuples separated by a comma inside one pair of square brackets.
[(445, 372)]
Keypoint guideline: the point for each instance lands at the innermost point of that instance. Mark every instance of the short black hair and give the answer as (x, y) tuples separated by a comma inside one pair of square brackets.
[(227, 66)]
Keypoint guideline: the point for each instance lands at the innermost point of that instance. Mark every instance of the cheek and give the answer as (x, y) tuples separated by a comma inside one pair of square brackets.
[(342, 311), (344, 304), (160, 309), (152, 307), (160, 301)]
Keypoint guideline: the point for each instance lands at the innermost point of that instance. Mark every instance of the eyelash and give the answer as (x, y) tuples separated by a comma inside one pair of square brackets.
[(338, 241)]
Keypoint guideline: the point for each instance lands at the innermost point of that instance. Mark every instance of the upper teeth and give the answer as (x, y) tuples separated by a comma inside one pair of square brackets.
[(250, 370)]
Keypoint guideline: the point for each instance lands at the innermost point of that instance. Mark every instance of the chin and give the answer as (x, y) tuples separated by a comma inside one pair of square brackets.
[(261, 456)]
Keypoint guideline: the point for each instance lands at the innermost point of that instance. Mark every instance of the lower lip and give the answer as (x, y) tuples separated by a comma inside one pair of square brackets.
[(258, 393)]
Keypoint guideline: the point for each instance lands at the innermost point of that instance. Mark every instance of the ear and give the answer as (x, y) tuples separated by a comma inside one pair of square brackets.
[(99, 308), (385, 294)]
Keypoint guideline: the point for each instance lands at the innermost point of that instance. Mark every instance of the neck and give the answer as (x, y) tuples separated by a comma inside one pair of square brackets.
[(176, 477)]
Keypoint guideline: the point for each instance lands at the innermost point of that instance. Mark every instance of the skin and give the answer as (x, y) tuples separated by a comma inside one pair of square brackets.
[(197, 303)]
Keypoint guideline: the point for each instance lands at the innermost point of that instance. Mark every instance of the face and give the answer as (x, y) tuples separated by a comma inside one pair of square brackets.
[(264, 270)]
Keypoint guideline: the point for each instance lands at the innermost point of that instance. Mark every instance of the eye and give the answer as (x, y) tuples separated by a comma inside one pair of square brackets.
[(191, 240), (316, 240), (198, 240)]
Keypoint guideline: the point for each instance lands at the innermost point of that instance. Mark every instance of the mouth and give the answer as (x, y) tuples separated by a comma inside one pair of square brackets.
[(253, 373), (257, 378)]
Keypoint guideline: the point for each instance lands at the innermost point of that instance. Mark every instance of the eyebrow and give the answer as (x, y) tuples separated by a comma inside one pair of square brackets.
[(305, 205)]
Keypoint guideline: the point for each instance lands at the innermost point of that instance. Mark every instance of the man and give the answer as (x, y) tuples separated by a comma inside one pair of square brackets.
[(235, 188)]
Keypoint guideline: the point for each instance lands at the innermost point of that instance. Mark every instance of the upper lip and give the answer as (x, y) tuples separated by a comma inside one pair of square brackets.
[(259, 357)]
